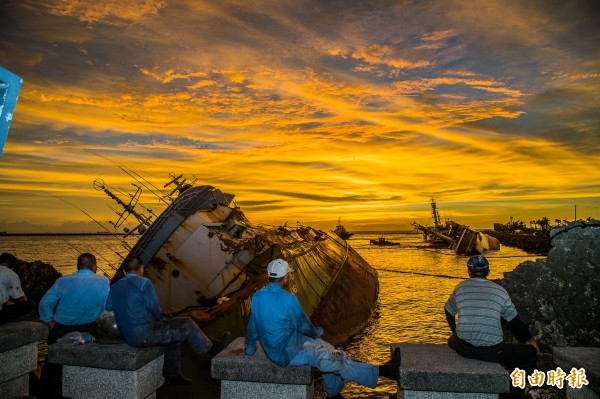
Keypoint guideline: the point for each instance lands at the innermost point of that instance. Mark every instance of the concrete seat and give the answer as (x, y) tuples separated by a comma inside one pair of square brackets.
[(587, 358), (18, 356), (437, 371), (116, 371), (257, 377)]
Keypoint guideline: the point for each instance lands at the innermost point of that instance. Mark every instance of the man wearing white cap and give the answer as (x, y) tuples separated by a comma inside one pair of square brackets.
[(288, 337)]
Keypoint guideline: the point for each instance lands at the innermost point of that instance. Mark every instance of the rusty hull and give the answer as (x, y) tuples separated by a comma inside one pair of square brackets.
[(206, 259)]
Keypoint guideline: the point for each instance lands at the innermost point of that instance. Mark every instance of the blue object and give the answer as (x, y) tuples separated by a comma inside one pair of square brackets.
[(10, 85), (478, 263), (279, 322), (75, 299), (136, 307)]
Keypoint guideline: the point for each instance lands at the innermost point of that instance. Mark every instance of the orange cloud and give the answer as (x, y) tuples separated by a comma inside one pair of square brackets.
[(85, 11)]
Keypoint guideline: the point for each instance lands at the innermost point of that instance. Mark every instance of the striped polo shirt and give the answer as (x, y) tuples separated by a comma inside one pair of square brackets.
[(480, 305)]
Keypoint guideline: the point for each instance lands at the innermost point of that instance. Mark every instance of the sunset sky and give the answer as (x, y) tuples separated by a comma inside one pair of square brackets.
[(305, 110)]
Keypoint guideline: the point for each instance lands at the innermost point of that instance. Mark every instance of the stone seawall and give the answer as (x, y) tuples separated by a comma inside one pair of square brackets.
[(533, 244), (559, 297)]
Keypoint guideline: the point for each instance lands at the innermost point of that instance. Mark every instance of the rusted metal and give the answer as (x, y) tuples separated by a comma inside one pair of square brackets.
[(206, 260)]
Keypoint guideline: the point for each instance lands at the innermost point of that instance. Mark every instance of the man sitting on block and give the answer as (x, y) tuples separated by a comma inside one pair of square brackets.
[(288, 337), (482, 306), (139, 318)]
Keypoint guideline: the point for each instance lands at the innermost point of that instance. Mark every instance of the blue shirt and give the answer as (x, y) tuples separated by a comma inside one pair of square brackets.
[(136, 307), (78, 298), (279, 323)]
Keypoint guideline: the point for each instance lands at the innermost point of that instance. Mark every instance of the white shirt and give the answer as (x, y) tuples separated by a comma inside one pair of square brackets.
[(10, 285)]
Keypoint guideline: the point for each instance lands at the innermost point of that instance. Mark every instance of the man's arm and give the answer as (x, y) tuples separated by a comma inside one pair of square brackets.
[(451, 320), (301, 320), (105, 291), (451, 309), (109, 302), (48, 304), (519, 329), (251, 337), (152, 302), (522, 332)]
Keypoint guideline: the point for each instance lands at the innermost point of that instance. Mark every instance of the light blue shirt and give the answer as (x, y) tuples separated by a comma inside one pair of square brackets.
[(135, 304), (279, 323), (75, 299)]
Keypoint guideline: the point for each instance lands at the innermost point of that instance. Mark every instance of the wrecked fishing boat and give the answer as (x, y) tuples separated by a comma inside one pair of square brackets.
[(206, 259), (460, 238), (383, 242)]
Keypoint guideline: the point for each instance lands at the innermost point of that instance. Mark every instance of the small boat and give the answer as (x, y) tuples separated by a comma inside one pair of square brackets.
[(206, 260), (383, 242), (341, 231), (460, 238)]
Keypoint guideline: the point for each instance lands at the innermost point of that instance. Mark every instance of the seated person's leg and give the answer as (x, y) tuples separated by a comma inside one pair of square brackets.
[(519, 355), (180, 329), (322, 355)]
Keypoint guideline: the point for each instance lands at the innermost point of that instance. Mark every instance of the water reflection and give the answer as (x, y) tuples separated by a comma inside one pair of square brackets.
[(415, 282)]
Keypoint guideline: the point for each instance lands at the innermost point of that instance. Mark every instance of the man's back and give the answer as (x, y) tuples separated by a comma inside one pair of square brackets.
[(480, 304), (78, 298), (280, 323), (135, 304)]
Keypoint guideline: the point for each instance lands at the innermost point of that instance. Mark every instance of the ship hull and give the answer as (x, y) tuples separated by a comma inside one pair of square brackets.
[(206, 259)]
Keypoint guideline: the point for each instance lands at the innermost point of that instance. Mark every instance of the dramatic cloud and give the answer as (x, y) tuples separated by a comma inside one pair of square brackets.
[(306, 110)]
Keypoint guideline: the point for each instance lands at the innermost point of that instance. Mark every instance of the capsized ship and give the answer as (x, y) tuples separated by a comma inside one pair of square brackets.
[(460, 238), (206, 259)]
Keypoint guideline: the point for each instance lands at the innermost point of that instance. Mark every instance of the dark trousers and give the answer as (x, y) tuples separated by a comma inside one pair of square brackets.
[(170, 334), (17, 309), (508, 355), (51, 377)]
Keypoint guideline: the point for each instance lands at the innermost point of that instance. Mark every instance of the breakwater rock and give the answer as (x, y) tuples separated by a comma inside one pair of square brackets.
[(36, 277), (559, 297), (530, 243)]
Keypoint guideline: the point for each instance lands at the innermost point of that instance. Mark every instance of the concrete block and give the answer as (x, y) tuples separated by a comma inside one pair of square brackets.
[(116, 371), (233, 364), (15, 388), (445, 395), (581, 393), (105, 356), (261, 390), (81, 382), (588, 358), (18, 361), (18, 356), (438, 368), (19, 333), (257, 377)]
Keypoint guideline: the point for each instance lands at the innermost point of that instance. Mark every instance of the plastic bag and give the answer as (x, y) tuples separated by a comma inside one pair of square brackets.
[(76, 338)]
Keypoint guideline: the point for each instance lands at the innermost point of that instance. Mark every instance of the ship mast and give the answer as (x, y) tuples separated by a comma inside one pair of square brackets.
[(435, 214), (128, 208)]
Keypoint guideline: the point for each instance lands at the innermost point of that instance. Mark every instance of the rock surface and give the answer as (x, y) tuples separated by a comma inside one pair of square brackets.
[(559, 297), (36, 278)]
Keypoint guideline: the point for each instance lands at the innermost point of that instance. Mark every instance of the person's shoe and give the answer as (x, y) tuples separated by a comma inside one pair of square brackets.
[(391, 369), (178, 380), (220, 344)]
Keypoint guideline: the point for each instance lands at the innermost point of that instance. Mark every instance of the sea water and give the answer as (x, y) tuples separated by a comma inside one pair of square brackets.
[(415, 282)]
